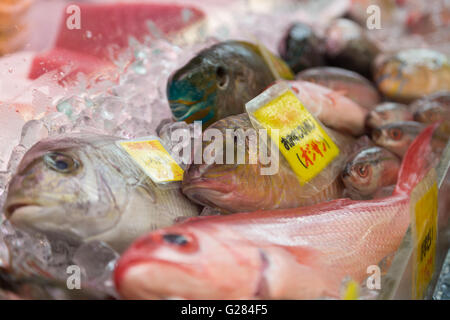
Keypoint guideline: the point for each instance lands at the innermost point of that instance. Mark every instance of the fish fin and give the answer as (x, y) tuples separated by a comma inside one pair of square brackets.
[(415, 162)]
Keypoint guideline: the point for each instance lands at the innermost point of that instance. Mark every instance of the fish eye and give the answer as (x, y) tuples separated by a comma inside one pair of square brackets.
[(363, 170), (175, 238), (60, 162), (222, 77), (395, 133)]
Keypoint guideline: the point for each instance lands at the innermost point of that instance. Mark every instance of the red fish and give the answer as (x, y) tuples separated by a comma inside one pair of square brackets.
[(105, 30), (301, 253)]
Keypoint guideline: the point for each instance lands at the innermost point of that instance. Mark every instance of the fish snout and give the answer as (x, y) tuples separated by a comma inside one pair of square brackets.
[(373, 120), (346, 171), (376, 134)]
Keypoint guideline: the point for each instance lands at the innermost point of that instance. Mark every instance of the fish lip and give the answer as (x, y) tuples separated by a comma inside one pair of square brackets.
[(207, 184), (123, 269), (189, 106), (13, 207)]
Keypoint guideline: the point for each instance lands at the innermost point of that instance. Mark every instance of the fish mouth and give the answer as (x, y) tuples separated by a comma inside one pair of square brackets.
[(129, 279), (203, 190), (19, 207), (191, 111)]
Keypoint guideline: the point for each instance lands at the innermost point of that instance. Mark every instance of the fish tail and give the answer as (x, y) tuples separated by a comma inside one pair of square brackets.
[(416, 161)]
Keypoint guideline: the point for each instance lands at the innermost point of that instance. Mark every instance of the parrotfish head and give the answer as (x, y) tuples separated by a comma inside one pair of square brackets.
[(192, 90), (184, 262)]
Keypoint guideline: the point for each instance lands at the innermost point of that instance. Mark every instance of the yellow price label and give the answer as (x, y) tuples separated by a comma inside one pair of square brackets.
[(301, 139), (351, 291), (156, 162), (424, 226)]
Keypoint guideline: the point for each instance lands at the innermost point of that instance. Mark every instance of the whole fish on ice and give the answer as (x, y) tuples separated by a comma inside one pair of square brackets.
[(87, 188)]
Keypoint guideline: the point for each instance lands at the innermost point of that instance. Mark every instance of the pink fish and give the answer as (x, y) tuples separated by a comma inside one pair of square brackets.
[(334, 109), (302, 253)]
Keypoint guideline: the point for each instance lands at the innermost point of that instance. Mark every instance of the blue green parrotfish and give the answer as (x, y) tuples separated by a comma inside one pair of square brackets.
[(221, 79)]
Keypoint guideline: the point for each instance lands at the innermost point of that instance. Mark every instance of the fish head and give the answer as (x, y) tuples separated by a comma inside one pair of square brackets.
[(64, 185), (397, 136), (431, 113), (183, 262), (387, 113), (370, 170), (192, 90), (229, 179), (218, 82)]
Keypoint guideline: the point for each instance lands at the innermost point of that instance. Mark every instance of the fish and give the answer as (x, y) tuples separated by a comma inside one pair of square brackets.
[(433, 108), (300, 253), (241, 187), (349, 83), (84, 187), (106, 29), (370, 170), (388, 112), (332, 108), (348, 47), (301, 48), (220, 80), (411, 74), (397, 136)]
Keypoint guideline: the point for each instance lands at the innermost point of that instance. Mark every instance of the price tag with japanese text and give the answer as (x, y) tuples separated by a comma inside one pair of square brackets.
[(424, 208), (301, 138), (152, 157)]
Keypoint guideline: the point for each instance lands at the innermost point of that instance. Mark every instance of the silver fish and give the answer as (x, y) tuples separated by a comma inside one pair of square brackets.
[(87, 188)]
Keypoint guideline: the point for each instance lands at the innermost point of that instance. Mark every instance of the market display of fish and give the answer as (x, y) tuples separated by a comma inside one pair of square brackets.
[(349, 83), (164, 151), (412, 74), (301, 253), (221, 79), (87, 188), (369, 171)]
